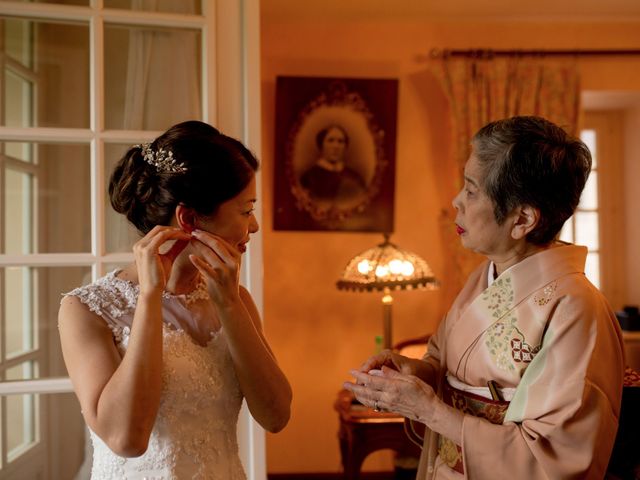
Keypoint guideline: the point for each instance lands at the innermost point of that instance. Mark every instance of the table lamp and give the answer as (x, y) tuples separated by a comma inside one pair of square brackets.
[(384, 268)]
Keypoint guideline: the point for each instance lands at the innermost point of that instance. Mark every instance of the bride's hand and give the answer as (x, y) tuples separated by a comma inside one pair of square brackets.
[(154, 267), (219, 263)]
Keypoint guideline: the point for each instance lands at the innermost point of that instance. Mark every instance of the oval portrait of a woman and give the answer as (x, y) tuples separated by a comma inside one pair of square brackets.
[(334, 162)]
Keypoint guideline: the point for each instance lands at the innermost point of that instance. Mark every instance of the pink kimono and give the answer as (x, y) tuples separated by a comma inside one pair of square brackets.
[(548, 337)]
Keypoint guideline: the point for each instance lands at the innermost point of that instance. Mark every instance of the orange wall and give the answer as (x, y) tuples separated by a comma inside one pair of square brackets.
[(318, 332)]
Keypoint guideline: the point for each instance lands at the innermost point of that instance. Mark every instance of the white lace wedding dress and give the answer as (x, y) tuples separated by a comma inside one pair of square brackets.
[(194, 436)]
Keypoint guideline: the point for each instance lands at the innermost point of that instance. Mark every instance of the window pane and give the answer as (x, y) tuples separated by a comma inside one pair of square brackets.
[(152, 77), (47, 207), (121, 235), (566, 234), (31, 299), (20, 151), (57, 70), (24, 371), (21, 430), (587, 229), (18, 93), (589, 138), (18, 40), (20, 334), (22, 424), (58, 428), (592, 268), (589, 198), (183, 6), (18, 211)]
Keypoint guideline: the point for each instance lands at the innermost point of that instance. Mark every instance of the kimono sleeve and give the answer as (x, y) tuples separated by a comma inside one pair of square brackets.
[(563, 418), (435, 353)]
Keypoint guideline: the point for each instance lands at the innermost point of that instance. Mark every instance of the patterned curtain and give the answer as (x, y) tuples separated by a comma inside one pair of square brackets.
[(481, 90)]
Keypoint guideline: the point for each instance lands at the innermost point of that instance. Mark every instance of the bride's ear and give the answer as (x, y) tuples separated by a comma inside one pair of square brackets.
[(186, 218)]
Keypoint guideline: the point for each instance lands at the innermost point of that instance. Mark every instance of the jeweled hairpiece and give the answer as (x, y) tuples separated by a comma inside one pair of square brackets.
[(162, 159)]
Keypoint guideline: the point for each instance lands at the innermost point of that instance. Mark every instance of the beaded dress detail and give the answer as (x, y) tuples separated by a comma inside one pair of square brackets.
[(194, 436)]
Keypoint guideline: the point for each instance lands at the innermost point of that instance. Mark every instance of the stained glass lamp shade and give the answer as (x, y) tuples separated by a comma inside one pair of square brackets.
[(384, 268)]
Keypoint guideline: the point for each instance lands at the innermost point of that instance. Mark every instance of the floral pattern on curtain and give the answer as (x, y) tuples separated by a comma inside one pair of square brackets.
[(481, 90)]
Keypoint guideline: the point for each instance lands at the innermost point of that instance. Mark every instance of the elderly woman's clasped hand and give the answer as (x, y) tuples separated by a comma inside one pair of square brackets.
[(386, 382)]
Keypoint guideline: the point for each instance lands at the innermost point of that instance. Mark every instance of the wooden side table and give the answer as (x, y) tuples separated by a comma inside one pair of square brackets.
[(363, 431)]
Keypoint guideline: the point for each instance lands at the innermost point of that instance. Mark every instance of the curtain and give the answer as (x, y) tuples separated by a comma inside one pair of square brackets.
[(163, 72), (479, 91)]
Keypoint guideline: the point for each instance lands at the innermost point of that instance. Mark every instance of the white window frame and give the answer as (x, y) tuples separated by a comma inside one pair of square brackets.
[(230, 59), (608, 126)]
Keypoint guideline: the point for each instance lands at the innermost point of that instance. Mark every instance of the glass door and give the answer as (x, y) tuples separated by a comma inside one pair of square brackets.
[(80, 81)]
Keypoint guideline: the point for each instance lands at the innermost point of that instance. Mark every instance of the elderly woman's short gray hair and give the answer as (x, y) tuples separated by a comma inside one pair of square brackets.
[(528, 160)]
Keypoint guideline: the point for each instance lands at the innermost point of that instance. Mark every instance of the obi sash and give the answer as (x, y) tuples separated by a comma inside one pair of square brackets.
[(470, 401)]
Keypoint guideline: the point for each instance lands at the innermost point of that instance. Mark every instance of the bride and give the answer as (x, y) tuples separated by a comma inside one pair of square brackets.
[(162, 352)]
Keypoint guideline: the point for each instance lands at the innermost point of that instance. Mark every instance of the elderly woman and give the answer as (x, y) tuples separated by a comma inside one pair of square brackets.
[(523, 378)]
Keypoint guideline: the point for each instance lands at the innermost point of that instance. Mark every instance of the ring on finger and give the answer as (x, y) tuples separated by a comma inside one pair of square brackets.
[(376, 408)]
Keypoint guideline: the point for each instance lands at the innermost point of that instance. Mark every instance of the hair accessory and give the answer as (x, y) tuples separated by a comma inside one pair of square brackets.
[(162, 159)]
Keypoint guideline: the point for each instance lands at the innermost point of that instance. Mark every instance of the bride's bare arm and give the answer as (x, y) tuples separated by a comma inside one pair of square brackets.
[(263, 383), (119, 397)]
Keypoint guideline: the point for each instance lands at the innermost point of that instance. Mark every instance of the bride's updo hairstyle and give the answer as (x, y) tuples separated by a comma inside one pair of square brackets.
[(192, 164)]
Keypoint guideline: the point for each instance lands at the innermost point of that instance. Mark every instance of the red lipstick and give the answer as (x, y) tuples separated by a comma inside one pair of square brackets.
[(460, 230)]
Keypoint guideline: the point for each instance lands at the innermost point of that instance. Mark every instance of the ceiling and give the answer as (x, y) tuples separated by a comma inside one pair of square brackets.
[(349, 10)]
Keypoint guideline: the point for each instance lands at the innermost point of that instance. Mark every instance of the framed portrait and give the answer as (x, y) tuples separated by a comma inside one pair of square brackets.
[(335, 154)]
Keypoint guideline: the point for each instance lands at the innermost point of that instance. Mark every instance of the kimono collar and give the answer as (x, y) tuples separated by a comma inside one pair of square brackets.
[(553, 262), (541, 268), (562, 258)]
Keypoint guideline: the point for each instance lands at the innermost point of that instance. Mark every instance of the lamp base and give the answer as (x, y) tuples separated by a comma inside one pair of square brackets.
[(387, 301)]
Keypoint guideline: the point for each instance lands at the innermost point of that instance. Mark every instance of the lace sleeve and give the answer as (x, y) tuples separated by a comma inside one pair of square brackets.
[(108, 297)]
